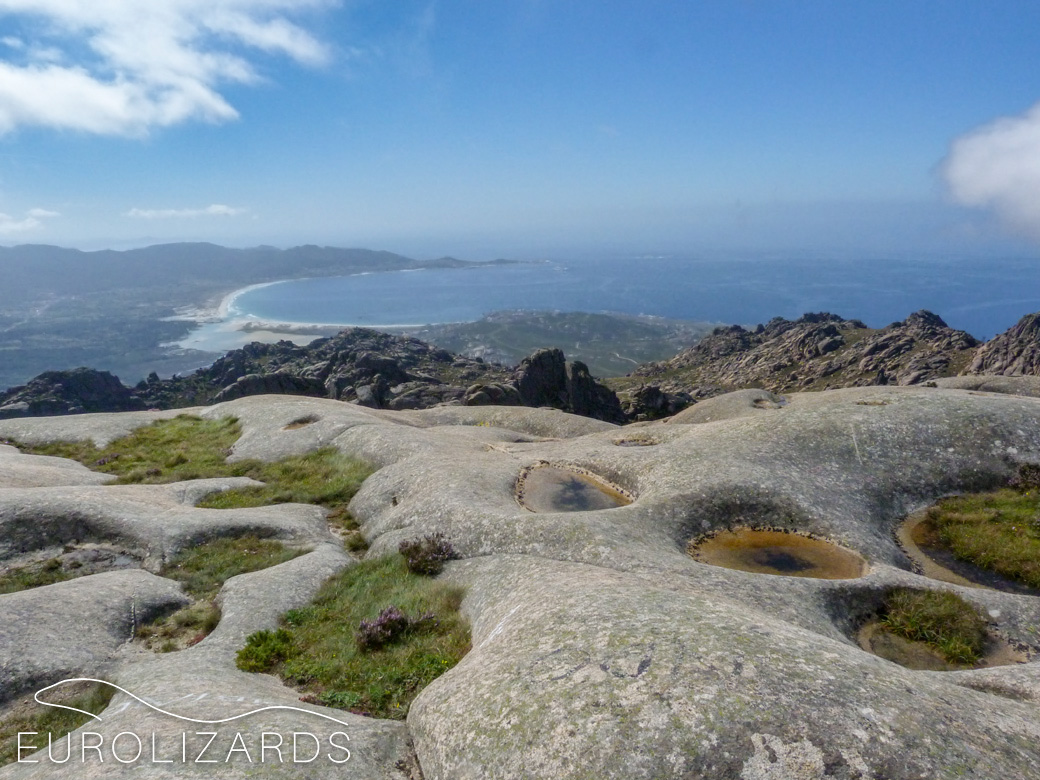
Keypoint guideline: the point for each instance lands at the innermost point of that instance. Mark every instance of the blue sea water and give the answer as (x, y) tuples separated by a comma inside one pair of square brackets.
[(982, 297)]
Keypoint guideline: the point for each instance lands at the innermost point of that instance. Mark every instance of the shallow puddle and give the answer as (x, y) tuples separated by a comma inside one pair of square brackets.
[(301, 422), (554, 489), (919, 656), (777, 552)]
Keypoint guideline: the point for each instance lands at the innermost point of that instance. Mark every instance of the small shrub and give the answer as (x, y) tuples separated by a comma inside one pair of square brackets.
[(264, 649), (1028, 477), (391, 626), (428, 554), (322, 655), (940, 619)]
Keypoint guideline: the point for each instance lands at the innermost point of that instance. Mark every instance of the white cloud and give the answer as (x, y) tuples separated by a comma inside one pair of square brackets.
[(216, 210), (30, 221), (998, 166), (148, 63)]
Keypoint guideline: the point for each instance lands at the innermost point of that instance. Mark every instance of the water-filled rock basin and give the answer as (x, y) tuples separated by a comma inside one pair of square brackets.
[(779, 553), (917, 655), (556, 489)]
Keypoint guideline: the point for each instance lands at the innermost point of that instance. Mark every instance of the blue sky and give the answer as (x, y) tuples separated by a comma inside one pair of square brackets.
[(522, 127)]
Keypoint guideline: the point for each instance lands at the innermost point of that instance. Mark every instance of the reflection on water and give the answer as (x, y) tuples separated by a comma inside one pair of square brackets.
[(551, 489), (776, 552)]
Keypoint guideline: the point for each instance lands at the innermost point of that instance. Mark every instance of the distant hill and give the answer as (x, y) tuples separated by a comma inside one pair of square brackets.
[(34, 270), (609, 344), (62, 308)]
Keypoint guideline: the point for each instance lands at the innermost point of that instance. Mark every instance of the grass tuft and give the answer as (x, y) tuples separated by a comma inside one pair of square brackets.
[(942, 620), (33, 576), (325, 477), (188, 447), (203, 569), (92, 697), (998, 531), (317, 650), (185, 447)]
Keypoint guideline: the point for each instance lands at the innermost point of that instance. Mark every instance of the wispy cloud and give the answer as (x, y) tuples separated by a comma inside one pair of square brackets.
[(121, 67), (216, 210), (997, 166), (33, 219)]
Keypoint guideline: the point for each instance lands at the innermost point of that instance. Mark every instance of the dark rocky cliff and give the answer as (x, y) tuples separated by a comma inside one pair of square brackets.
[(358, 365)]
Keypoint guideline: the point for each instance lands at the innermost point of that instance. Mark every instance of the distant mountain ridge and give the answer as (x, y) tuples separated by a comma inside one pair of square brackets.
[(815, 352), (110, 309), (33, 269)]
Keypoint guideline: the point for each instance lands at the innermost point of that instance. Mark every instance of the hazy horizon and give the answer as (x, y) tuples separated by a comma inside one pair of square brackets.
[(523, 128)]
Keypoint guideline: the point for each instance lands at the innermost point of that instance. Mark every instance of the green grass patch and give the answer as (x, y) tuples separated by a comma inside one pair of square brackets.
[(185, 447), (92, 697), (205, 567), (942, 620), (202, 570), (325, 477), (316, 647), (33, 576), (181, 629), (998, 531), (188, 447)]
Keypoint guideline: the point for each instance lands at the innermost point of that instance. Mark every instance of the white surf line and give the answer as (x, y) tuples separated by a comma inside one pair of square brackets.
[(172, 714)]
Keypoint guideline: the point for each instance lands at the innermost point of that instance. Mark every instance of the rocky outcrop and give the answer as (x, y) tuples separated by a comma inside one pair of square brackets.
[(361, 366), (364, 366), (77, 391), (1016, 352), (650, 402), (815, 352), (547, 379), (280, 382), (600, 648)]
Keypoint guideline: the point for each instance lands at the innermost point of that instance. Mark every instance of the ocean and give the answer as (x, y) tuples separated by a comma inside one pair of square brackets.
[(983, 297)]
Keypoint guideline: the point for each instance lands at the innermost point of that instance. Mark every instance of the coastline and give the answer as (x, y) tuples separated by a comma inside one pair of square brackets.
[(218, 327), (224, 307)]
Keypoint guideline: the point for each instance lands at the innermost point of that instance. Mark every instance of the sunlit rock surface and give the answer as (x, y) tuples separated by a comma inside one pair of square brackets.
[(601, 648)]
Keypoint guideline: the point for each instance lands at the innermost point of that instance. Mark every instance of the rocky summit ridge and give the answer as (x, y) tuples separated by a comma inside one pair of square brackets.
[(358, 365), (818, 351), (600, 647)]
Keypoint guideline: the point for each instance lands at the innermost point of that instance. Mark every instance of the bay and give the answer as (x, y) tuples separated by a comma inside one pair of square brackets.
[(983, 297)]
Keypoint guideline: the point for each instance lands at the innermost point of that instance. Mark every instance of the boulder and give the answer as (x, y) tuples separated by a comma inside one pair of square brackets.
[(77, 391)]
